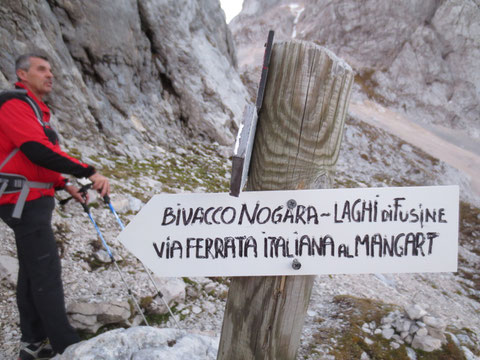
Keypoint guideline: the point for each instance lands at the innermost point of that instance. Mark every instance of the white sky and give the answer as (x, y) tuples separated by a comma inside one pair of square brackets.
[(231, 8)]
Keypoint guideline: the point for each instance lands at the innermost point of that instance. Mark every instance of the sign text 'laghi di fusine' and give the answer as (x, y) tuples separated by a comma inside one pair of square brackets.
[(370, 230)]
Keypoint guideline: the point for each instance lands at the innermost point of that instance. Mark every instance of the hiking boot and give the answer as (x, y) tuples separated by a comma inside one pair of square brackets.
[(36, 351)]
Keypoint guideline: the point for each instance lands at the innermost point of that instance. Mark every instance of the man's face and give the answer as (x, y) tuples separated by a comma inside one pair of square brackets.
[(38, 78)]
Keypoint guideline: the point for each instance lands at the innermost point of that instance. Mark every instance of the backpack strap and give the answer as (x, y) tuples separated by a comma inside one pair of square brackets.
[(7, 159), (36, 109), (20, 94)]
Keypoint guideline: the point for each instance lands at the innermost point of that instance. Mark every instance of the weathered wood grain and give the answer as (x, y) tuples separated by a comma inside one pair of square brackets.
[(301, 123), (297, 143)]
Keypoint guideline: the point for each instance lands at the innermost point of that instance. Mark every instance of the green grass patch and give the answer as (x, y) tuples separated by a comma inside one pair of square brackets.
[(159, 319), (368, 84), (200, 166), (189, 281)]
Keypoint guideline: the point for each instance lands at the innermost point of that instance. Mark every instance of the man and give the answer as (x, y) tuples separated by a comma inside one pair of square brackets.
[(40, 297)]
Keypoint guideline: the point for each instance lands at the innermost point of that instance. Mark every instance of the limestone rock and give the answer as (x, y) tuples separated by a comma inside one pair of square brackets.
[(196, 309), (419, 56), (368, 341), (402, 325), (92, 316), (364, 356), (426, 343), (398, 338), (366, 328), (437, 334), (126, 203), (157, 71), (422, 332), (415, 312), (421, 335), (434, 322), (388, 333), (414, 328), (210, 287), (193, 292), (142, 343), (173, 290), (9, 269), (412, 355), (102, 255)]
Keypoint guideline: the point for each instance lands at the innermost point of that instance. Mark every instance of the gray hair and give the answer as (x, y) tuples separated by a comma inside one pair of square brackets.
[(23, 61)]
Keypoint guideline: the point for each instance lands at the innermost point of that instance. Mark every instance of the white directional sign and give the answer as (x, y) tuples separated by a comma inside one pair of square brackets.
[(370, 230)]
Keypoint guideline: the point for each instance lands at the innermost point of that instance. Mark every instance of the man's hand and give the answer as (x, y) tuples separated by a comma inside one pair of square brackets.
[(101, 184), (76, 194)]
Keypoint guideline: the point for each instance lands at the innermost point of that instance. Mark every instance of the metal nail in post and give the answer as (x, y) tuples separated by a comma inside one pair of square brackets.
[(296, 265)]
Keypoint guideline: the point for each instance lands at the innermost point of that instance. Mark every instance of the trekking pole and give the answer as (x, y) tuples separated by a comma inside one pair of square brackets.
[(87, 210), (106, 198)]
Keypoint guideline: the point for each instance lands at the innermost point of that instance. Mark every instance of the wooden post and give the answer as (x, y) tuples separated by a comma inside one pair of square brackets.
[(297, 143)]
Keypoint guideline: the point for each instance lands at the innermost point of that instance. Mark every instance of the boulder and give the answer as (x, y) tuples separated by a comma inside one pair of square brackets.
[(92, 316), (388, 333), (126, 203), (434, 322), (144, 343), (437, 334), (414, 328), (426, 343), (422, 332), (102, 256), (173, 290), (402, 325), (415, 312)]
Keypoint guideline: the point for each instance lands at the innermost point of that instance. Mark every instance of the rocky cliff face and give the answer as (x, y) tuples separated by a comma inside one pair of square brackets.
[(137, 72), (421, 57)]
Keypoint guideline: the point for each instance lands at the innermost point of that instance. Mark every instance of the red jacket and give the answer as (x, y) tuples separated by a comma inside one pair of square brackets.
[(40, 157)]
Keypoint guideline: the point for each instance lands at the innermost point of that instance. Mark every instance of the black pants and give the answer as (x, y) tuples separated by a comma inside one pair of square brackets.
[(40, 297)]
